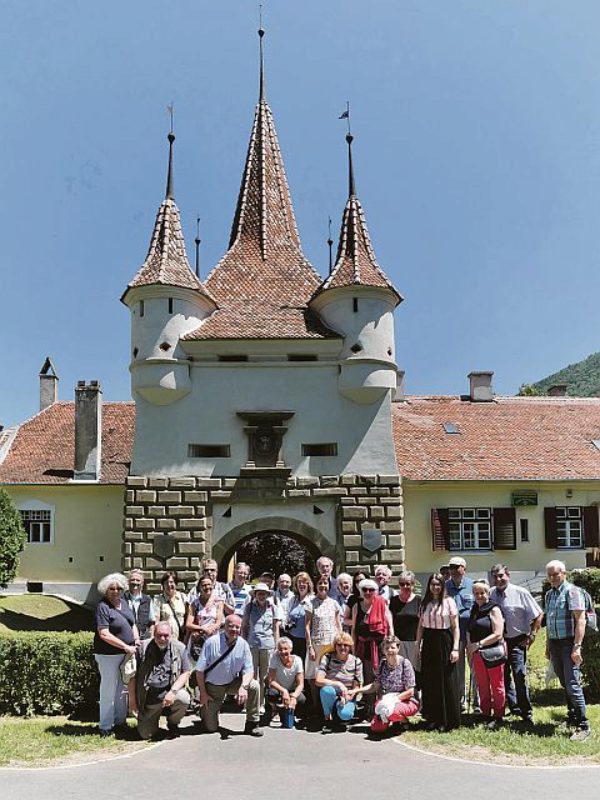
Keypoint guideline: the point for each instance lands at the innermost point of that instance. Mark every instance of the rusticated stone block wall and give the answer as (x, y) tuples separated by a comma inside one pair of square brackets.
[(180, 510)]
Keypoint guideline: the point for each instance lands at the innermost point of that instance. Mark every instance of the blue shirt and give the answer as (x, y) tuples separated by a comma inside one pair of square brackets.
[(239, 661), (560, 603), (241, 597), (463, 597), (295, 620)]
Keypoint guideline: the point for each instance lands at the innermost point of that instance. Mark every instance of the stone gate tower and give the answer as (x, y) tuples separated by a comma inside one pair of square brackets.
[(263, 394)]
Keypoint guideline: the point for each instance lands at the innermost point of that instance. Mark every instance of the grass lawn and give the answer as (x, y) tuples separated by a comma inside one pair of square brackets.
[(38, 612), (546, 744), (44, 740)]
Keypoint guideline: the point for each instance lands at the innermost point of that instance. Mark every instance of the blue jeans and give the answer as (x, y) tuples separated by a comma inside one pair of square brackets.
[(569, 676), (330, 702), (113, 692), (515, 677)]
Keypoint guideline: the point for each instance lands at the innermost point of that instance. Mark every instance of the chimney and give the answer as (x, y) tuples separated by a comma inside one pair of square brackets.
[(48, 384), (480, 388), (400, 389), (88, 431), (558, 390)]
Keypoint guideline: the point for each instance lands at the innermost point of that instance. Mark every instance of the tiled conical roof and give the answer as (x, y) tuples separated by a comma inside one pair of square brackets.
[(167, 262), (263, 282), (356, 264)]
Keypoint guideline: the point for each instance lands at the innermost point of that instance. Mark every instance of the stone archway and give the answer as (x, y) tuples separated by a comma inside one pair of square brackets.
[(310, 538)]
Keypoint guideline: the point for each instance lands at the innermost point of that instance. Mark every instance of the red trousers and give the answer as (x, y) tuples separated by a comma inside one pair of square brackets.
[(490, 683), (402, 710)]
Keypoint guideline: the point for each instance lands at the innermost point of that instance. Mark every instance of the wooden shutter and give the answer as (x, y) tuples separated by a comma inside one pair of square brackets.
[(550, 531), (591, 529), (505, 529), (440, 529)]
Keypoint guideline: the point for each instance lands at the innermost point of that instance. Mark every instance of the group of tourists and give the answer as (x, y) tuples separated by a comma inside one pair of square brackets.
[(324, 652)]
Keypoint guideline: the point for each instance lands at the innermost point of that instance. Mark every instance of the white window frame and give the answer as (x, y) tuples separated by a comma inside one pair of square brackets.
[(38, 506), (470, 529), (570, 534)]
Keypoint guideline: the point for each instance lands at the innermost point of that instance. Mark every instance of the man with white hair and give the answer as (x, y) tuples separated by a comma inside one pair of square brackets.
[(383, 575), (140, 604), (283, 595), (325, 568), (163, 670), (565, 629)]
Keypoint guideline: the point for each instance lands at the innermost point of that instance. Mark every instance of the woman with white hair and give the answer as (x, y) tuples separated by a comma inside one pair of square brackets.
[(286, 678), (115, 637)]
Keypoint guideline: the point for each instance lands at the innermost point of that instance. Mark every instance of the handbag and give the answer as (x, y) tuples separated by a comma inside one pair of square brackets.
[(128, 668), (494, 655)]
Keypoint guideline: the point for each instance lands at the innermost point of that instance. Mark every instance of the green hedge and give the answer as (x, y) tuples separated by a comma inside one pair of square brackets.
[(47, 673), (589, 579)]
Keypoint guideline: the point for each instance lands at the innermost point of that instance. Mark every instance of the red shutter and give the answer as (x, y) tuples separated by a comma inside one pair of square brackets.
[(440, 529), (591, 529), (550, 527), (505, 529)]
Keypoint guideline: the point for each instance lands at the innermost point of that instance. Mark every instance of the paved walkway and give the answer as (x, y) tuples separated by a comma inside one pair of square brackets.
[(285, 764)]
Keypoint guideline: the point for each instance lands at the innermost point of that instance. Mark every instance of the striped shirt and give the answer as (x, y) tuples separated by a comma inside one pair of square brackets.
[(560, 604), (438, 616)]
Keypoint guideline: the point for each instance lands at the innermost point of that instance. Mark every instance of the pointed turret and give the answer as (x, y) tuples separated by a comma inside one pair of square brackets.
[(263, 282), (167, 301), (167, 262), (356, 264), (358, 300)]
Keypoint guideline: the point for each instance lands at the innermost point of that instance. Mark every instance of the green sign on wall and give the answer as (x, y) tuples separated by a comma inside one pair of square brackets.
[(524, 498)]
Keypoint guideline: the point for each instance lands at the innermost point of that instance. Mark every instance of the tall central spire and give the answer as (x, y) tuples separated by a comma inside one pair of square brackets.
[(264, 213)]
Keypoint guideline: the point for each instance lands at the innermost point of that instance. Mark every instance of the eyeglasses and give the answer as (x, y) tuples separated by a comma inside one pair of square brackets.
[(368, 590), (404, 584), (114, 588)]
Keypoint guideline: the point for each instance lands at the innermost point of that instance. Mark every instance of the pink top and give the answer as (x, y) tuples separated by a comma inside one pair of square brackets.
[(438, 616)]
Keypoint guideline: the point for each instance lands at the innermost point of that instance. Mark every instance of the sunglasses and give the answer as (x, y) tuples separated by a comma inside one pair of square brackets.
[(368, 590)]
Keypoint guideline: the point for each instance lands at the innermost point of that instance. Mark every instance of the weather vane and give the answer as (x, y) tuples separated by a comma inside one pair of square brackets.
[(346, 115)]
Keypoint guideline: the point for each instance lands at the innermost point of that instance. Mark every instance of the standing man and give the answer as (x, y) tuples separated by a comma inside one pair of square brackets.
[(225, 667), (383, 575), (240, 587), (460, 588), (325, 568), (522, 619), (141, 604), (163, 670), (284, 595), (565, 629)]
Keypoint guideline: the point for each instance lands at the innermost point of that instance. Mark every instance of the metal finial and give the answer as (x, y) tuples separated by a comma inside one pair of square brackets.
[(351, 184), (171, 138), (261, 33), (330, 245), (197, 241)]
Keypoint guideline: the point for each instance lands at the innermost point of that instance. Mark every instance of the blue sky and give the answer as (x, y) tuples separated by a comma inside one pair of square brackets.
[(477, 157)]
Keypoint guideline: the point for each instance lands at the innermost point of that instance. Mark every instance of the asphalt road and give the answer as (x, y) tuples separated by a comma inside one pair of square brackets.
[(291, 764)]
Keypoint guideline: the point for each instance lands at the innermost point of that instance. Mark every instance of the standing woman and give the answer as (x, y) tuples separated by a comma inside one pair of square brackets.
[(116, 636), (260, 628), (171, 606), (353, 599), (295, 627), (405, 608), (322, 623), (371, 622), (438, 638), (486, 628), (204, 617)]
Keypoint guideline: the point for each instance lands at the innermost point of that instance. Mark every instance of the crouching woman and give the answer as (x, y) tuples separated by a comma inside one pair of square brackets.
[(339, 679), (394, 686)]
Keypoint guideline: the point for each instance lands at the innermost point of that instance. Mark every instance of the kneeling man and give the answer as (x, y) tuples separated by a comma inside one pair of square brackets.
[(225, 667), (162, 673)]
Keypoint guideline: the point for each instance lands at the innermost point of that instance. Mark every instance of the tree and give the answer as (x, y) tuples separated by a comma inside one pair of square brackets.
[(528, 390), (12, 539)]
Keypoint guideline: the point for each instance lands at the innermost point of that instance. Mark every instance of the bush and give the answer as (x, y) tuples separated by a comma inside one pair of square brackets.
[(12, 538), (47, 673), (589, 579)]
